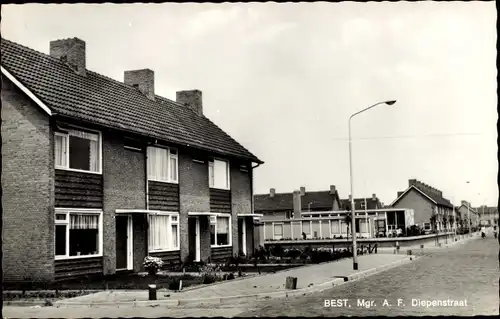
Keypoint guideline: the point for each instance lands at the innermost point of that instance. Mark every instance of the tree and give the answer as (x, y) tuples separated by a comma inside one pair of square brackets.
[(433, 221)]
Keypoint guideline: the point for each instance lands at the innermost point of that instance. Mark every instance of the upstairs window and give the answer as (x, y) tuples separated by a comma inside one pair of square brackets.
[(162, 164), (78, 150), (218, 174)]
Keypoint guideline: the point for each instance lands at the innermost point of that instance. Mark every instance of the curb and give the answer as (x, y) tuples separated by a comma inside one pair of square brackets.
[(252, 297)]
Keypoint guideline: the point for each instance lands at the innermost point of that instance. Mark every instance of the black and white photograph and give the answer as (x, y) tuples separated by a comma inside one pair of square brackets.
[(261, 159)]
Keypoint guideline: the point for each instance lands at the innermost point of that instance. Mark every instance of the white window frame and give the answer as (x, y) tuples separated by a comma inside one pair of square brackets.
[(282, 231), (211, 166), (66, 136), (76, 211), (214, 217), (169, 157), (171, 222), (339, 223), (310, 229)]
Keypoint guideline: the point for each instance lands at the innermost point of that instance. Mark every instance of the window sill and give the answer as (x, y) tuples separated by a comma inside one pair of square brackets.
[(162, 181), (76, 170), (163, 251), (220, 246), (77, 257), (222, 189)]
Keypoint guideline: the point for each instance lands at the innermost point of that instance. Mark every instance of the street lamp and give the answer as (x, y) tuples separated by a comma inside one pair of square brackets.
[(309, 206), (353, 214)]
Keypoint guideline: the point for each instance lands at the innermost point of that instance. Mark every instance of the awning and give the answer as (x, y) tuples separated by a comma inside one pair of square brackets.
[(250, 215), (202, 214)]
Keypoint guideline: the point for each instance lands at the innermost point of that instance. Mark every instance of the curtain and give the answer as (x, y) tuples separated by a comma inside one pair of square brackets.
[(94, 156), (174, 236), (278, 230), (158, 163), (60, 150), (220, 174), (222, 225), (211, 174), (84, 221), (85, 135), (173, 168), (306, 227), (158, 227)]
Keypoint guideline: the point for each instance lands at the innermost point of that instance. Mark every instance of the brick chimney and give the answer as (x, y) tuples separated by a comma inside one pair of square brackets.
[(143, 80), (412, 182), (272, 192), (302, 190), (297, 204), (374, 196), (71, 51), (192, 99), (333, 189)]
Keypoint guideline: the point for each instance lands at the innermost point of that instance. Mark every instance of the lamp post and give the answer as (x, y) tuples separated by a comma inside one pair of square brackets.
[(353, 214)]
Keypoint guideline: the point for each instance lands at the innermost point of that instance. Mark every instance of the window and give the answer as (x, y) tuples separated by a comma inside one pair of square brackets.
[(288, 215), (77, 150), (163, 232), (78, 234), (363, 204), (278, 231), (132, 143), (219, 230), (218, 174), (306, 227), (162, 164), (335, 227)]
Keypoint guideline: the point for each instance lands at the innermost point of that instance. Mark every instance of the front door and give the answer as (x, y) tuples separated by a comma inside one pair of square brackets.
[(194, 238), (122, 252), (242, 236)]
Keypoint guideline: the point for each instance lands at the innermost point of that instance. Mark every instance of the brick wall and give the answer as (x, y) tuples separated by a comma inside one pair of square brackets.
[(27, 188), (124, 186), (241, 199), (422, 206), (193, 197)]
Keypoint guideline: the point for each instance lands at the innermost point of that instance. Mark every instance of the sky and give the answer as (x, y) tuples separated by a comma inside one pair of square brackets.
[(283, 80)]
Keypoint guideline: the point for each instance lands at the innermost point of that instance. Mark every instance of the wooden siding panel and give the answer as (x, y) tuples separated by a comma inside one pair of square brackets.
[(221, 254), (70, 268), (220, 201), (163, 196), (77, 189), (170, 258)]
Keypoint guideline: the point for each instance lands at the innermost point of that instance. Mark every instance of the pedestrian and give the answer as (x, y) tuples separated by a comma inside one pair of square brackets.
[(483, 232)]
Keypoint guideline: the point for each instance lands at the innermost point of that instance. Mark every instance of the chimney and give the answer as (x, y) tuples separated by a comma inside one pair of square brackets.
[(412, 182), (302, 191), (71, 51), (192, 99), (272, 191), (333, 189), (143, 79), (297, 204), (374, 196)]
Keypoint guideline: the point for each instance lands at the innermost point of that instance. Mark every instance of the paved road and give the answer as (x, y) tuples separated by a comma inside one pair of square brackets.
[(467, 273)]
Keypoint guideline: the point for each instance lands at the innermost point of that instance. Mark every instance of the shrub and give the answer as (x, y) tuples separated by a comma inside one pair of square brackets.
[(230, 276), (152, 264)]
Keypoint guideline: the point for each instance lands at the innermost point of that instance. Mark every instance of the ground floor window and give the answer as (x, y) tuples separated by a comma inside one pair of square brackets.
[(78, 233), (220, 231), (163, 232), (306, 228), (335, 227), (278, 231)]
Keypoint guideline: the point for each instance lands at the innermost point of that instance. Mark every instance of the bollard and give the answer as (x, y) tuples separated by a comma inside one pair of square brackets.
[(291, 283), (152, 292), (180, 285)]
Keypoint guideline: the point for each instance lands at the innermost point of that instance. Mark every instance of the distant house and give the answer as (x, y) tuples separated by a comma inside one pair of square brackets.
[(465, 212), (363, 203), (281, 205), (487, 215), (431, 209), (97, 173)]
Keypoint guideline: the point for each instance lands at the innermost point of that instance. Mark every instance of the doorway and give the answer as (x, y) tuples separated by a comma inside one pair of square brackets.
[(123, 237), (194, 238)]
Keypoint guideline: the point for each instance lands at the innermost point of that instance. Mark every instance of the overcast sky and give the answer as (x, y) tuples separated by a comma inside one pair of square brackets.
[(283, 79)]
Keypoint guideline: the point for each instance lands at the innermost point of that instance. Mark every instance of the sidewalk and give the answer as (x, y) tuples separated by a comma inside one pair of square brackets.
[(310, 278)]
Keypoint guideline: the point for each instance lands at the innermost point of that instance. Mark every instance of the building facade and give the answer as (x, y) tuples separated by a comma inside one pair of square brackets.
[(97, 174), (431, 210)]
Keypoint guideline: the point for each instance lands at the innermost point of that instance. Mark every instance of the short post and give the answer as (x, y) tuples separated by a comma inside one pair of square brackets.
[(291, 283), (180, 285), (152, 292)]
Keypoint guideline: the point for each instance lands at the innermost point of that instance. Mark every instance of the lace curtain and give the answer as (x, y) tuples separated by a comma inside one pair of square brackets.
[(84, 221)]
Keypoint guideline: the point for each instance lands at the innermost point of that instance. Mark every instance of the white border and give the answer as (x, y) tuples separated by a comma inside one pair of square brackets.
[(26, 91), (230, 230)]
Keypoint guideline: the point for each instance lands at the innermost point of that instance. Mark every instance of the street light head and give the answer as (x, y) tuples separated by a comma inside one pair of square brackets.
[(390, 102)]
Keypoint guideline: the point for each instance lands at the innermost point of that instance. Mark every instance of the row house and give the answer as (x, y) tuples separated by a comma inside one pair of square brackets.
[(488, 215), (429, 206), (97, 174), (465, 213)]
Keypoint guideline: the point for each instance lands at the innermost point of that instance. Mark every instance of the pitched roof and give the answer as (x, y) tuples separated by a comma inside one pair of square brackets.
[(358, 202), (100, 100), (439, 200), (320, 200)]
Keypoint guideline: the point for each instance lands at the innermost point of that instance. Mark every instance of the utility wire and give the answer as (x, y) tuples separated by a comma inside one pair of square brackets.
[(408, 136)]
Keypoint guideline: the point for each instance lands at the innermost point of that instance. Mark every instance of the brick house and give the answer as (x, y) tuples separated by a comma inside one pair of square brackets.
[(464, 212), (426, 202), (488, 216), (97, 174)]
